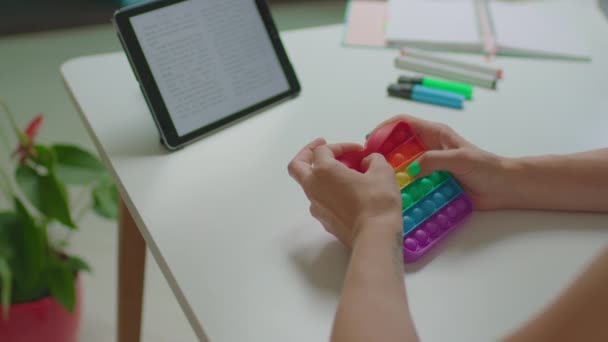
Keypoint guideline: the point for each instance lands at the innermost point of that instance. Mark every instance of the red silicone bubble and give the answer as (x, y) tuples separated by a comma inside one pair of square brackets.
[(405, 153), (383, 140)]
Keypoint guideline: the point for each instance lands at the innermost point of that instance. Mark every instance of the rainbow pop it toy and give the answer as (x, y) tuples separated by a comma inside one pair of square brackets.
[(433, 205)]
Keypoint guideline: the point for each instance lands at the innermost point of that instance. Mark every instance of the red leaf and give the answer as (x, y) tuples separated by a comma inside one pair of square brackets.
[(33, 127), (26, 148)]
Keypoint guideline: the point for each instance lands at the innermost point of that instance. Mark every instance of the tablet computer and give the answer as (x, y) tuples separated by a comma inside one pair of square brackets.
[(203, 64)]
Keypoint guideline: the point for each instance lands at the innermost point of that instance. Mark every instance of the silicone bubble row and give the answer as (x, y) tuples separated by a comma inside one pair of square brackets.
[(421, 187), (430, 204), (405, 153), (397, 137), (416, 243)]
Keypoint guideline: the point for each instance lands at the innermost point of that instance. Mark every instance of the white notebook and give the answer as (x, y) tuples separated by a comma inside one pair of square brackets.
[(521, 28)]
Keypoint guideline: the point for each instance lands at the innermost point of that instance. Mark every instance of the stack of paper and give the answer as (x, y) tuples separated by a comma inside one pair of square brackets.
[(544, 29)]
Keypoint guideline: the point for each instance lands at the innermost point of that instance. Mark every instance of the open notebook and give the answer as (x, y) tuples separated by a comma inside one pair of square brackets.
[(543, 29)]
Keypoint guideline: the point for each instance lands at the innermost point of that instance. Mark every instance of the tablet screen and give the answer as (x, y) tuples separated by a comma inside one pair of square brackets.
[(206, 67)]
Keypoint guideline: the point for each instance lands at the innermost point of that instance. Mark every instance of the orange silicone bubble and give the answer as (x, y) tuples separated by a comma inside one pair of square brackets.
[(405, 153), (384, 140), (400, 135)]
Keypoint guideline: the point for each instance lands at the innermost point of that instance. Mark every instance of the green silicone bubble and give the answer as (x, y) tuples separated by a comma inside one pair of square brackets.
[(426, 185), (413, 169), (414, 191), (436, 178), (406, 200)]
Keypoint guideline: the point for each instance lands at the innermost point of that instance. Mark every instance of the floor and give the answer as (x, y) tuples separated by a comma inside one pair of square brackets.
[(30, 83)]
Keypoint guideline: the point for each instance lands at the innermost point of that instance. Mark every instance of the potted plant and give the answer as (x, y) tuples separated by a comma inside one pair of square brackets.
[(39, 287)]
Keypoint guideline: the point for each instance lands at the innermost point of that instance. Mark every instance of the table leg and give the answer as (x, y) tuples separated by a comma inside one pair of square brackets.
[(131, 266)]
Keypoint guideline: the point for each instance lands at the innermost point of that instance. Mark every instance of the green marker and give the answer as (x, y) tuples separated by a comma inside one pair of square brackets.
[(455, 87)]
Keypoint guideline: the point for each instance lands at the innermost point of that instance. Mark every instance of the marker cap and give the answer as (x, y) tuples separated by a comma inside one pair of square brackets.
[(401, 90), (410, 79)]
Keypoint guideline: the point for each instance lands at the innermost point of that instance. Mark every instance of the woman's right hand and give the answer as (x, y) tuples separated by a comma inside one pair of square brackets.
[(483, 175)]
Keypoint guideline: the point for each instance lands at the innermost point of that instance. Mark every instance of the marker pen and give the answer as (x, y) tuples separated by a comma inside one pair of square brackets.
[(486, 69), (421, 93), (445, 71), (455, 87)]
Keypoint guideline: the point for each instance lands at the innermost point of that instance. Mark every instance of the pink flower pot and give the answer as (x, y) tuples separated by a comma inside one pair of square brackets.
[(42, 320)]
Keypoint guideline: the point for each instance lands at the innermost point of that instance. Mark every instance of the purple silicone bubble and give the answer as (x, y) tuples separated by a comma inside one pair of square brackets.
[(431, 202), (448, 218), (451, 211), (460, 205), (442, 221), (422, 237), (432, 229), (410, 244)]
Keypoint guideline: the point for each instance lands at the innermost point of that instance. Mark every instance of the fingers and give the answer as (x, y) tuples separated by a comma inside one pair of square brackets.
[(330, 223), (323, 155), (299, 167), (315, 211), (445, 160), (340, 149), (400, 117), (434, 135), (375, 162), (322, 215)]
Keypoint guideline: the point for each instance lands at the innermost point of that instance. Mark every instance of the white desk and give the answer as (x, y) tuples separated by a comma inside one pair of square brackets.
[(232, 233)]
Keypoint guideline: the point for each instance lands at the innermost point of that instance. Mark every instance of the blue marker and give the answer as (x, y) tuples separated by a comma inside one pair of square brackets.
[(425, 94)]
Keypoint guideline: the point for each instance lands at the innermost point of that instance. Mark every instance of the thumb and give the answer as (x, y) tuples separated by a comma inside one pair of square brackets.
[(441, 160), (374, 162)]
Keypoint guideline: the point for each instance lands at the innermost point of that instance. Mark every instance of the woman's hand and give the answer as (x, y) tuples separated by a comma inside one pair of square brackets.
[(344, 200), (484, 176)]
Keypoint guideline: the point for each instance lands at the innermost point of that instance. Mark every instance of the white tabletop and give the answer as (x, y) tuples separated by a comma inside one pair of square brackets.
[(232, 233)]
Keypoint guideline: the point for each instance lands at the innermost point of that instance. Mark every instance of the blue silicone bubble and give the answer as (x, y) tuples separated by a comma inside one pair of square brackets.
[(408, 223), (431, 202), (418, 214), (439, 199), (428, 206)]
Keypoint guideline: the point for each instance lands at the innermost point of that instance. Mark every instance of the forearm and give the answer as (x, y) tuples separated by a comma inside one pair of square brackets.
[(579, 314), (577, 182), (373, 305)]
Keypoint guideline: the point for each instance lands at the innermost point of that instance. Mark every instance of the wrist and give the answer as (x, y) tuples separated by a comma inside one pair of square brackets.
[(516, 182), (382, 229)]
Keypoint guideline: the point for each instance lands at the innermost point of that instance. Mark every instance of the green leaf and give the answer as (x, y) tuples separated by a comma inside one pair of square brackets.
[(105, 200), (45, 193), (29, 182), (75, 264), (76, 166), (8, 223), (30, 252), (55, 200), (24, 249), (6, 278), (44, 156), (61, 285)]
